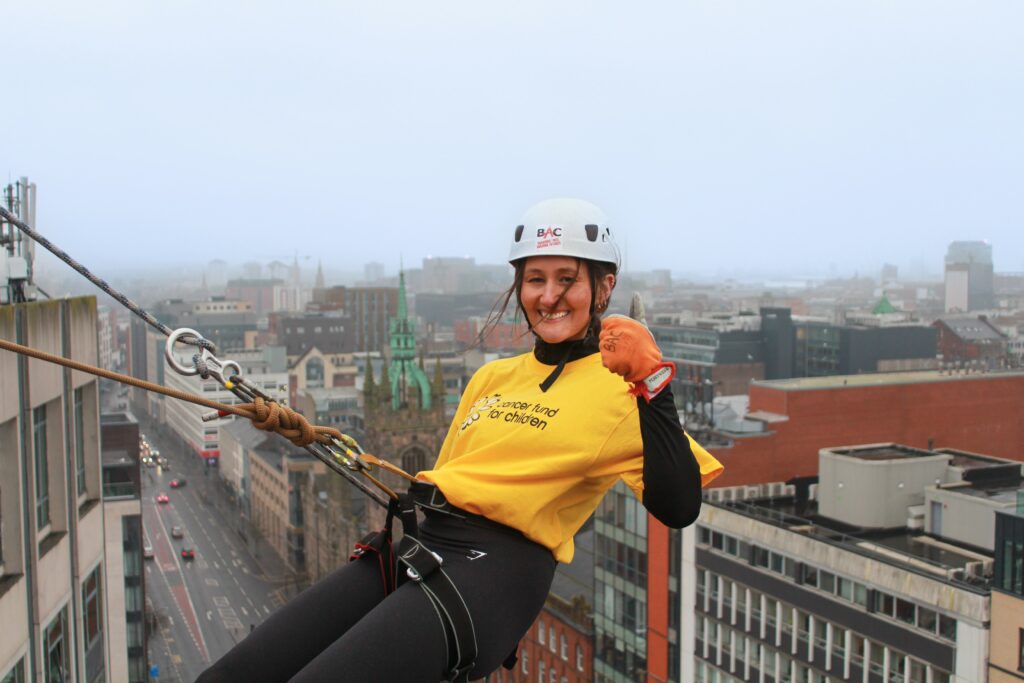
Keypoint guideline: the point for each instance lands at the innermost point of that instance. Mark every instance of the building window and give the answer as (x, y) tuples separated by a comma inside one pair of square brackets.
[(540, 671), (92, 609), (551, 639), (314, 373), (92, 621), (563, 643), (579, 658), (42, 467), (80, 439), (55, 645), (524, 662), (540, 632), (15, 675)]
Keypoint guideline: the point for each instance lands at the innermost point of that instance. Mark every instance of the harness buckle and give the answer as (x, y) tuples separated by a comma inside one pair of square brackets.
[(413, 574)]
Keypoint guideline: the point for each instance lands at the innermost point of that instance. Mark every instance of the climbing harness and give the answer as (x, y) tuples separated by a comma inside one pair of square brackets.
[(338, 451)]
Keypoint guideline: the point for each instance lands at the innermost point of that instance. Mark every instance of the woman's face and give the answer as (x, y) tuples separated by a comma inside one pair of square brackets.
[(556, 296)]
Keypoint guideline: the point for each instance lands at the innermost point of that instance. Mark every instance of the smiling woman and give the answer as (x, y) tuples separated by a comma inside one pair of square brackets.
[(536, 442), (557, 296)]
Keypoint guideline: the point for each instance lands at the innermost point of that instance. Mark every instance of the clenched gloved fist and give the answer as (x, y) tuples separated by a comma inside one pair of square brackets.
[(628, 349)]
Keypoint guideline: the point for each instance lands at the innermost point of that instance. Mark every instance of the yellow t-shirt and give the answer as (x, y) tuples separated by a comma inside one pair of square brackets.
[(541, 462)]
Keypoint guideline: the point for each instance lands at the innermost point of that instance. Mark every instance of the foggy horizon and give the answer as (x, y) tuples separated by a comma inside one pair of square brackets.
[(791, 140)]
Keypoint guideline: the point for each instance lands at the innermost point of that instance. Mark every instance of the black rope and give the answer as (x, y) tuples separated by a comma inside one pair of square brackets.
[(100, 282)]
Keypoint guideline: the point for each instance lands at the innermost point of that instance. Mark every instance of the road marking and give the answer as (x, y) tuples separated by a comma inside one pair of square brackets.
[(245, 612), (221, 601), (209, 615), (212, 582), (266, 609)]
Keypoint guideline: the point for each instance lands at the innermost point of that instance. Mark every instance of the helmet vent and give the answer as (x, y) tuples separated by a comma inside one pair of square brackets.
[(591, 231), (519, 232)]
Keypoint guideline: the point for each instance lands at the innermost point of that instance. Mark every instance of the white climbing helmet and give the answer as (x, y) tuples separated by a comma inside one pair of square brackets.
[(564, 227)]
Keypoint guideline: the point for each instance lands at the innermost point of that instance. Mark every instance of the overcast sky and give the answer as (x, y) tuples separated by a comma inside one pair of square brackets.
[(786, 137)]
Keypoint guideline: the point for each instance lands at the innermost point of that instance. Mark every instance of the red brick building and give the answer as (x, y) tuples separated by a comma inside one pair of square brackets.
[(976, 412), (971, 342)]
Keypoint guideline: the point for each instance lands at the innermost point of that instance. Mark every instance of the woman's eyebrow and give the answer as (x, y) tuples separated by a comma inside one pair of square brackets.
[(559, 271)]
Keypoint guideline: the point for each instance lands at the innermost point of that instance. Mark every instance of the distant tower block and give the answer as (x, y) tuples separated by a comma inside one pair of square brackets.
[(969, 278)]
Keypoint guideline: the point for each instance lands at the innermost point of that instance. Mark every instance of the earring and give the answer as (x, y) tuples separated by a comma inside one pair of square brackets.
[(600, 308)]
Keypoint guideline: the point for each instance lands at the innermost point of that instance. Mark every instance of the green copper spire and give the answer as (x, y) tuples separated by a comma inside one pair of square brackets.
[(884, 306), (405, 371)]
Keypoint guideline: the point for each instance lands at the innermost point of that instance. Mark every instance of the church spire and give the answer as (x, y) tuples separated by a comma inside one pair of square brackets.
[(319, 283), (405, 372)]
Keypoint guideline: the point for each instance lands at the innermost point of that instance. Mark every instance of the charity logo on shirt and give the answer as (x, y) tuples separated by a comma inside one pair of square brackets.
[(480, 406), (512, 412)]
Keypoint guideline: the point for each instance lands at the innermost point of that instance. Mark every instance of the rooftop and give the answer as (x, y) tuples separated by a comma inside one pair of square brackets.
[(886, 452), (877, 379), (910, 550)]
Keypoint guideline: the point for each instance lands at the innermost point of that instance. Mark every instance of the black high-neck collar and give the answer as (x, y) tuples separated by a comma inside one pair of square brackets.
[(566, 351)]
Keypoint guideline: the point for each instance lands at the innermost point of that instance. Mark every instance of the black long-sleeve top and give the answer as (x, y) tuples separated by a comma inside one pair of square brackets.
[(672, 481)]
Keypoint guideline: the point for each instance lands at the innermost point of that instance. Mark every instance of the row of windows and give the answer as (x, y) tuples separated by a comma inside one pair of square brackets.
[(742, 606), (563, 644), (849, 590), (621, 559), (317, 329), (734, 651), (621, 509), (41, 457)]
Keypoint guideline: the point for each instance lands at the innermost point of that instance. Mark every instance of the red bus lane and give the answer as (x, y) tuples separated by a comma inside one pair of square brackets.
[(170, 569)]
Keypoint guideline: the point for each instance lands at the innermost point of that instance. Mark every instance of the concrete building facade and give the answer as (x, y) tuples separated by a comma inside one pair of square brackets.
[(56, 590), (1006, 652), (790, 586)]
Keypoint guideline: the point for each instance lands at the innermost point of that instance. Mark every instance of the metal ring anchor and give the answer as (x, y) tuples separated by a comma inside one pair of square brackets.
[(215, 367)]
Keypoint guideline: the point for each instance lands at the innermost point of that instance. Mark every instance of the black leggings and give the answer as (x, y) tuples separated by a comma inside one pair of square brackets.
[(344, 629)]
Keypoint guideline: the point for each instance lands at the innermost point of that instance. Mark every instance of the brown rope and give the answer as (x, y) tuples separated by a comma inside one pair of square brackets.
[(266, 415)]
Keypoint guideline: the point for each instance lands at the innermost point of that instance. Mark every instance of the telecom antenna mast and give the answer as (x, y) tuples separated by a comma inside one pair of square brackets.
[(17, 250)]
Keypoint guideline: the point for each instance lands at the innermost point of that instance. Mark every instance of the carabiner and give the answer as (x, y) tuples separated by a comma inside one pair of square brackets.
[(212, 366)]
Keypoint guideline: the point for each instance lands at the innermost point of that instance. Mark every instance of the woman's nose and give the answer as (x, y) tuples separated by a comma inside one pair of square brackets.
[(549, 297)]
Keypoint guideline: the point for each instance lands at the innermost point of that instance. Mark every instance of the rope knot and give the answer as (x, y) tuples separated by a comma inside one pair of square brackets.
[(274, 417)]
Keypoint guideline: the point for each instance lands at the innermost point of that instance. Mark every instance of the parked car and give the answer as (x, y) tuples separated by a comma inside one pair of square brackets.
[(177, 532), (162, 498), (147, 551), (177, 483), (188, 553)]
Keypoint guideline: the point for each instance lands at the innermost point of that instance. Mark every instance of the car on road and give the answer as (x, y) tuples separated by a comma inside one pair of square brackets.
[(188, 553), (147, 551), (177, 483), (163, 498), (177, 532), (164, 464)]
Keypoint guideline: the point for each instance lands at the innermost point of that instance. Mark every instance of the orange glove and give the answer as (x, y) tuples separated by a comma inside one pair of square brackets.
[(628, 349)]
